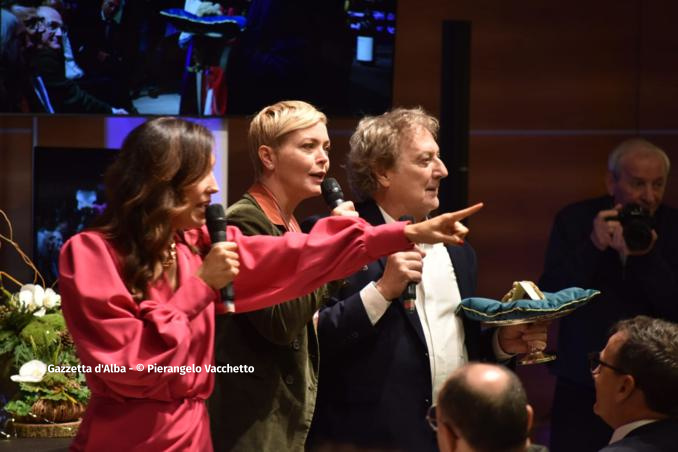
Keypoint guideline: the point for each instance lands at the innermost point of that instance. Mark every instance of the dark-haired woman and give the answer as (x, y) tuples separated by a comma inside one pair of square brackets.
[(139, 292)]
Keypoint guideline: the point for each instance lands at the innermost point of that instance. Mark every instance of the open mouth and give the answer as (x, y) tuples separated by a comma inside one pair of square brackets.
[(318, 176)]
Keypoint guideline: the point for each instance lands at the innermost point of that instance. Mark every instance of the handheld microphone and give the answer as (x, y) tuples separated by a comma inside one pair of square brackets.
[(332, 192), (216, 225), (410, 294)]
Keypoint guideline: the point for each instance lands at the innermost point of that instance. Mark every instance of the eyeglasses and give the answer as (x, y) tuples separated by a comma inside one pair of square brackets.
[(53, 25), (595, 363), (34, 23), (432, 418), (434, 422)]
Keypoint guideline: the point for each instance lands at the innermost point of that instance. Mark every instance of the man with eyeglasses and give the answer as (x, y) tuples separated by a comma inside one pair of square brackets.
[(636, 380), (483, 407), (34, 24), (594, 245), (45, 62), (52, 37)]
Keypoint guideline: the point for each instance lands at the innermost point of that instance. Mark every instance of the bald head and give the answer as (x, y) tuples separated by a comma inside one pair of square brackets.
[(486, 378), (488, 405)]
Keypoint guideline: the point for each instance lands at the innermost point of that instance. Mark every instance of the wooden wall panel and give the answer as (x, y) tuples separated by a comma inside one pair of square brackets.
[(658, 87), (240, 174), (16, 144), (525, 181), (72, 131), (554, 65)]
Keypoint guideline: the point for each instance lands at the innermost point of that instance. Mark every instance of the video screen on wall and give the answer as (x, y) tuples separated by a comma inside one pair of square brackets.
[(68, 194), (193, 58)]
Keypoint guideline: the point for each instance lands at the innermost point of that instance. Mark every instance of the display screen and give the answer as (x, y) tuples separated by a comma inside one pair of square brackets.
[(197, 58), (67, 195)]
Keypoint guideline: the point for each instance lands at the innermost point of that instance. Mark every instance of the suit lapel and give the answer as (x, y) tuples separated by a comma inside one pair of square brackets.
[(369, 211), (461, 271)]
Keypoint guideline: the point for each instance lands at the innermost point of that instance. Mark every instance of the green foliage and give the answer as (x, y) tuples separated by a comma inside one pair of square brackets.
[(21, 407), (44, 330), (22, 354), (8, 341), (26, 337), (14, 320)]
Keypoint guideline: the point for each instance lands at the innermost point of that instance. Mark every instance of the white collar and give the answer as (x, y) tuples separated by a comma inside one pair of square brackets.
[(622, 431), (388, 219)]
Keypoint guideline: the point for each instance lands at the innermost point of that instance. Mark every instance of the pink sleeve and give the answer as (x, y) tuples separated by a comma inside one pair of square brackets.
[(275, 269), (109, 327)]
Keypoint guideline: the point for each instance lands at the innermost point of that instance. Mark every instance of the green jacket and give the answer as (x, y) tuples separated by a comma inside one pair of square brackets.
[(270, 409)]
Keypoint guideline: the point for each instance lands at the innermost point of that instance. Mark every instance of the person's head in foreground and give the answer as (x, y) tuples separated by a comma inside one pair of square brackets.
[(636, 374), (482, 408)]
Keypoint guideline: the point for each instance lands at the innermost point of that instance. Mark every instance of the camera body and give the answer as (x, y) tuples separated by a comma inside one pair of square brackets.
[(637, 224)]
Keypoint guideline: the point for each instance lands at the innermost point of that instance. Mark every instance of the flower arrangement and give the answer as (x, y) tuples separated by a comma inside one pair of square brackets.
[(33, 334), (33, 340)]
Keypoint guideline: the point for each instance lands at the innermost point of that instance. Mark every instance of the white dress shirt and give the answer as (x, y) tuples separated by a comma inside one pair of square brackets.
[(437, 300)]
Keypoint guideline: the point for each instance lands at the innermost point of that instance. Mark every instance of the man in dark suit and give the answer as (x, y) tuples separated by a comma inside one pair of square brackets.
[(382, 359), (636, 379), (588, 248), (501, 418)]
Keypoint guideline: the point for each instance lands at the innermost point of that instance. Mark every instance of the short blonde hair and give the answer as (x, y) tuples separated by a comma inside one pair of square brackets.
[(375, 145), (272, 123)]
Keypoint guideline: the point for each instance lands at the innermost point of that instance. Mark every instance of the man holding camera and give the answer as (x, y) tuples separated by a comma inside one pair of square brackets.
[(626, 246)]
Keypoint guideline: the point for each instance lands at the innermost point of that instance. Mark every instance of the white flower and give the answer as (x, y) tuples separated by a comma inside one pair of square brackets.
[(52, 299), (40, 312), (38, 296), (31, 372), (26, 296), (33, 296)]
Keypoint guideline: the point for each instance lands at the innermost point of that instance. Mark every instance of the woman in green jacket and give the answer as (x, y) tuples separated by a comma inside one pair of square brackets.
[(272, 408)]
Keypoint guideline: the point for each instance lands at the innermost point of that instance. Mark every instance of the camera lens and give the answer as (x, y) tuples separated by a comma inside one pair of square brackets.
[(637, 224), (638, 235)]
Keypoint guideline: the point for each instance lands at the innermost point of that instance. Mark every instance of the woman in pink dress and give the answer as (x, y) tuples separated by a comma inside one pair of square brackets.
[(139, 291)]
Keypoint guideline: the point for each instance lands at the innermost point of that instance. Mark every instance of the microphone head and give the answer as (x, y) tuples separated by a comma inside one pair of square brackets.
[(216, 222), (332, 192)]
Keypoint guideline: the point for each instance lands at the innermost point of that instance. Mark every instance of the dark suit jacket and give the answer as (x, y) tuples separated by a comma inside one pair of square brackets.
[(660, 436), (65, 95), (375, 381)]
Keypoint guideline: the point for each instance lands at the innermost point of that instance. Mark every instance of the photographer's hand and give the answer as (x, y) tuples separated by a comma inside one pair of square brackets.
[(619, 244), (605, 229)]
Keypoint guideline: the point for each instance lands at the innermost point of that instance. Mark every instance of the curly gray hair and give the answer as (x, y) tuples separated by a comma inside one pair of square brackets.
[(375, 145)]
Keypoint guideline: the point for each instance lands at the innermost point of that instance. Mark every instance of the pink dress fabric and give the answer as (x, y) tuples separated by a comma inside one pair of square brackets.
[(165, 411)]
